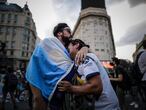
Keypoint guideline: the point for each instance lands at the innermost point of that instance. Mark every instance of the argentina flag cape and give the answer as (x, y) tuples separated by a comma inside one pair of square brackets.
[(49, 64)]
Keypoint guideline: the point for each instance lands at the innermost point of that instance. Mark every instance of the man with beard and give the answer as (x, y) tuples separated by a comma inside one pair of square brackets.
[(49, 64)]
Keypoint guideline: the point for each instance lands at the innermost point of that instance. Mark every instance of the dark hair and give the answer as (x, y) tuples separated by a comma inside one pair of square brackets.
[(111, 63), (144, 44), (10, 70), (78, 41), (59, 28), (116, 60)]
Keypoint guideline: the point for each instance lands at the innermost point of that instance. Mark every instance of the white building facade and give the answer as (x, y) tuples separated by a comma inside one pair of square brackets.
[(94, 28), (18, 33)]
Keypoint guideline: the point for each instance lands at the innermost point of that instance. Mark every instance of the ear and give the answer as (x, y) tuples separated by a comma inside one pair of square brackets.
[(59, 34)]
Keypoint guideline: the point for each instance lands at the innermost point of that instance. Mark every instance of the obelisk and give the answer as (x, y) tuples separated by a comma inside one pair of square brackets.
[(94, 28)]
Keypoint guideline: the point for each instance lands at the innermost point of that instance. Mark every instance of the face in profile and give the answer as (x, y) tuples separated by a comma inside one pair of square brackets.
[(73, 49), (66, 36)]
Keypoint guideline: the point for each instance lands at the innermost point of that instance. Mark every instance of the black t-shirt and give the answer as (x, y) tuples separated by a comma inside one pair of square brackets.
[(10, 79), (125, 83), (119, 70)]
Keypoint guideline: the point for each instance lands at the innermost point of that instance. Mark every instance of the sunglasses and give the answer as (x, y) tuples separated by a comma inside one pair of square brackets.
[(67, 29)]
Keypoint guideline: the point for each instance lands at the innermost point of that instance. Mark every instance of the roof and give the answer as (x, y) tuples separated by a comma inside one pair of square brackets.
[(10, 7)]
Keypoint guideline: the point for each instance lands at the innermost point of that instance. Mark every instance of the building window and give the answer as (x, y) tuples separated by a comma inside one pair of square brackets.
[(24, 38), (7, 31), (12, 53), (26, 35), (7, 44), (22, 54), (2, 18), (13, 37), (106, 24), (28, 13), (27, 22), (106, 45), (27, 47), (96, 49), (1, 30), (107, 51), (8, 52), (9, 18), (32, 48), (100, 21), (27, 54), (106, 32), (102, 50), (13, 32), (12, 44), (24, 46), (15, 19)]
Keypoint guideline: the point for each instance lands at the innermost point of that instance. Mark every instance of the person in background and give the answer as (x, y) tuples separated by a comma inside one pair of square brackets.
[(142, 67), (10, 84), (113, 75), (120, 79), (96, 80)]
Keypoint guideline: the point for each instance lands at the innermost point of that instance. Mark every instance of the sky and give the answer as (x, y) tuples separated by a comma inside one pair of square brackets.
[(128, 19)]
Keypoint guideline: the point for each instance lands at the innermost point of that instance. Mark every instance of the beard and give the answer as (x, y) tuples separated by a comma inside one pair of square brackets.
[(66, 40)]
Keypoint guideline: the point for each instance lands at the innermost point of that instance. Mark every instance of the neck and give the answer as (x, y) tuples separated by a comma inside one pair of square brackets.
[(60, 38)]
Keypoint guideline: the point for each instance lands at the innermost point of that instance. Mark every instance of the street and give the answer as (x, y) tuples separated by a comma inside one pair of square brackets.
[(23, 105), (20, 106)]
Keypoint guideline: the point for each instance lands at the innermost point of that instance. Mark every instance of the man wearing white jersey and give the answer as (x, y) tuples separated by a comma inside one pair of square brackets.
[(96, 80)]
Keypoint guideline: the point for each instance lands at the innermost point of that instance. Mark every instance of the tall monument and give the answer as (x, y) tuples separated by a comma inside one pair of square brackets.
[(94, 28), (93, 3)]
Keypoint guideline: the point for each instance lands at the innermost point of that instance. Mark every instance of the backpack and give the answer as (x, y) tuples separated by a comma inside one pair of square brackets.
[(136, 73), (12, 80), (132, 74)]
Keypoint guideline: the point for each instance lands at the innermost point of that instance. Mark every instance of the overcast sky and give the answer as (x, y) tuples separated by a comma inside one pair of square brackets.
[(128, 19)]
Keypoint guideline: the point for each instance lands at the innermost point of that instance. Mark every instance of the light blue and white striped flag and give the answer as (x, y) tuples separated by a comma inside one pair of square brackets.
[(49, 64)]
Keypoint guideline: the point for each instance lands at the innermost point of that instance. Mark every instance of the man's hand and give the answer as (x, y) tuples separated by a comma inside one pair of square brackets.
[(65, 86), (81, 55), (92, 86)]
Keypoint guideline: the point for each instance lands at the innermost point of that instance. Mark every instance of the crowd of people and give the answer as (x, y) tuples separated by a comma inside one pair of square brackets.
[(59, 65), (130, 78), (14, 84)]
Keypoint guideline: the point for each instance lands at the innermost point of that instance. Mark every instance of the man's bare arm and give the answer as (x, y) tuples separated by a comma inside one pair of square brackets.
[(119, 79), (81, 55), (92, 86)]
